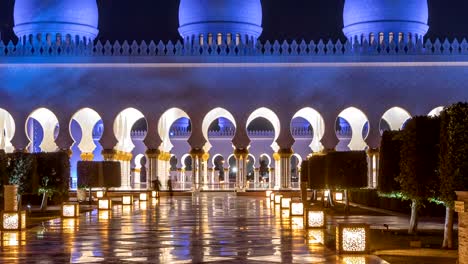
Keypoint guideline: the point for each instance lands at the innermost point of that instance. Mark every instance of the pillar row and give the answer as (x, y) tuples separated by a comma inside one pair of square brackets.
[(241, 164)]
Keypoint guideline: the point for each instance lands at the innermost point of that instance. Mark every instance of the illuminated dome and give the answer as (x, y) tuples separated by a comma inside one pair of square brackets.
[(404, 18), (224, 19), (35, 19)]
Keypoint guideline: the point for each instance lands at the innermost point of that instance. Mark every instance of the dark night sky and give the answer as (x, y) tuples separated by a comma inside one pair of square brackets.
[(282, 19)]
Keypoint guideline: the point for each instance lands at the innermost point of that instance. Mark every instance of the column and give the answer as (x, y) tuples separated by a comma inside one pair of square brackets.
[(152, 156), (372, 164), (256, 177), (197, 168), (241, 175), (205, 158), (277, 181), (461, 208), (285, 166)]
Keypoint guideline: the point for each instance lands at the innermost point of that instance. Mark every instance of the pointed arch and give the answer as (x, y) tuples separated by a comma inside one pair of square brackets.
[(7, 131), (123, 124), (436, 111), (357, 121), (396, 117), (87, 118), (317, 122), (49, 124), (272, 118), (210, 118), (164, 126)]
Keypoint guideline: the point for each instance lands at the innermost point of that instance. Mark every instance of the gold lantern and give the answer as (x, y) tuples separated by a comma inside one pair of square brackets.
[(285, 202), (314, 218), (100, 194), (278, 198), (352, 239), (104, 204), (296, 207), (339, 196), (143, 197), (154, 194), (70, 210), (13, 221), (127, 200)]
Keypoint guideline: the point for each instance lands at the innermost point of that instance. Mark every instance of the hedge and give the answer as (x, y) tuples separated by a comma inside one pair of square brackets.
[(93, 174)]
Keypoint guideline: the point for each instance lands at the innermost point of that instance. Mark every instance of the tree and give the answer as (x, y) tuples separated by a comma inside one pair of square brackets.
[(419, 159), (389, 162), (345, 171), (21, 170), (453, 161)]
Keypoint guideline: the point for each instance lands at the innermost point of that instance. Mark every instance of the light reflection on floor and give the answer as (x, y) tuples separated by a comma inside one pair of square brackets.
[(208, 228)]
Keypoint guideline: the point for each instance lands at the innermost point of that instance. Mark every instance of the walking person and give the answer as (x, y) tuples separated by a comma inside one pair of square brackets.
[(157, 186), (169, 187)]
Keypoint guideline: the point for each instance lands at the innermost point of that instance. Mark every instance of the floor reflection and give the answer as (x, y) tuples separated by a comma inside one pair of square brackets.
[(214, 228)]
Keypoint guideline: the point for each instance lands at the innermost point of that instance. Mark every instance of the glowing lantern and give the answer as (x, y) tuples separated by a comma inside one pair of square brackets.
[(339, 196), (99, 194), (297, 208), (154, 194), (14, 221), (104, 204), (268, 194), (354, 260), (285, 202), (127, 200), (315, 218), (70, 210), (278, 198), (352, 238), (297, 222), (143, 197), (104, 215)]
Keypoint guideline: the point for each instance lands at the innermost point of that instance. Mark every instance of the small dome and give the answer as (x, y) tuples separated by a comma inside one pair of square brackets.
[(365, 17), (235, 17), (77, 18)]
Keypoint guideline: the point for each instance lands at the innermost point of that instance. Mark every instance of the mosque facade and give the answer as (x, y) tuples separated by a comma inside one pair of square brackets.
[(219, 109)]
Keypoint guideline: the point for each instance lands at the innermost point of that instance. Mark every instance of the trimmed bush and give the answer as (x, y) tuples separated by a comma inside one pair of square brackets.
[(389, 162), (99, 174)]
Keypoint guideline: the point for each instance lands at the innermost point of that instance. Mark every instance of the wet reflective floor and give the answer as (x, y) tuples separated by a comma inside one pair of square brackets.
[(205, 228)]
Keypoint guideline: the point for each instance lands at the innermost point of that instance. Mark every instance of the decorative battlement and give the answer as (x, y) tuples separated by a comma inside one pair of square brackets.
[(268, 48)]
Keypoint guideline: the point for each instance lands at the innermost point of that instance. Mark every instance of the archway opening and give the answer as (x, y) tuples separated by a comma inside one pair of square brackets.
[(307, 128), (42, 128), (218, 123), (264, 170), (296, 161), (250, 163), (7, 131), (218, 170), (263, 125), (394, 119), (352, 128), (86, 129), (436, 111), (186, 171), (232, 170), (130, 128)]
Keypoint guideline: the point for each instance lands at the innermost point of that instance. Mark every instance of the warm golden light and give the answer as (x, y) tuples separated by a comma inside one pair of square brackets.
[(99, 194), (315, 219), (143, 205), (272, 196), (104, 204), (354, 260), (285, 213), (14, 220), (104, 215), (278, 198), (268, 194), (154, 194), (70, 210), (297, 222), (352, 238), (339, 196), (143, 197), (154, 202), (285, 203), (316, 236), (127, 200), (13, 239), (297, 208), (126, 209)]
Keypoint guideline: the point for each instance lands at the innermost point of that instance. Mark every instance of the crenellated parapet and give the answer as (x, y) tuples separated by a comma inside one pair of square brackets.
[(272, 49)]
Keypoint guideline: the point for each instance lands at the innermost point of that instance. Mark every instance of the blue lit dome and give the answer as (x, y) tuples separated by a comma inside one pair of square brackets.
[(36, 19), (404, 18), (220, 18)]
